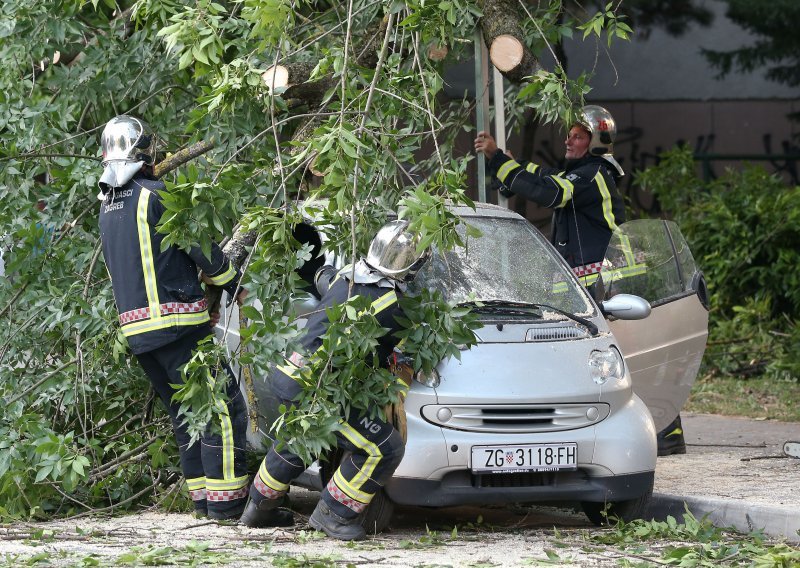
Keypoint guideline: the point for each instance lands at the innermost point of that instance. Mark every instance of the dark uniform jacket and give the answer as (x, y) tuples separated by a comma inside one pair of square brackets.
[(158, 294), (384, 306), (587, 205)]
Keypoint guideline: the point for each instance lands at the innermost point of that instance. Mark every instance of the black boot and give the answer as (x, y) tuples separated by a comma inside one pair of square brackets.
[(325, 520), (670, 439), (230, 513), (266, 513)]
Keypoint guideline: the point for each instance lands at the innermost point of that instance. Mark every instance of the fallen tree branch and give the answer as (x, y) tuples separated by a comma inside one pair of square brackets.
[(123, 502), (102, 470), (182, 156)]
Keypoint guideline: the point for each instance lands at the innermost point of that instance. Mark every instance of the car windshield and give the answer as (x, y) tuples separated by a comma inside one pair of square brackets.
[(510, 262)]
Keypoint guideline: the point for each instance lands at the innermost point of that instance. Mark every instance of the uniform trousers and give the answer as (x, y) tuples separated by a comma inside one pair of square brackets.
[(373, 450), (216, 467)]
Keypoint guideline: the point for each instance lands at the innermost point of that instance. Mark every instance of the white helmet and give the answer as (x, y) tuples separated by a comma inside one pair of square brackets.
[(393, 252), (601, 125), (128, 139)]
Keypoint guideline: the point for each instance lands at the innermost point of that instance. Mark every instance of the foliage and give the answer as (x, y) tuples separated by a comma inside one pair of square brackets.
[(202, 393), (192, 554), (431, 539), (80, 422), (743, 230), (607, 20), (697, 542), (340, 377), (434, 330)]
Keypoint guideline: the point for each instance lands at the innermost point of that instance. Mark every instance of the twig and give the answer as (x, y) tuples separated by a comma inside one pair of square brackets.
[(762, 445), (123, 502), (103, 473), (781, 456), (378, 69), (121, 458), (428, 110), (65, 496), (81, 156), (123, 432)]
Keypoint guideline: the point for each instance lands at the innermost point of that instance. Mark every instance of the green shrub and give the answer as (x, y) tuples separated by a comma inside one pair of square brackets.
[(744, 231)]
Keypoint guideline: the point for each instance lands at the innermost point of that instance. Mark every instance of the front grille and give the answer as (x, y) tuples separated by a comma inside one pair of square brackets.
[(518, 416), (515, 418), (530, 479)]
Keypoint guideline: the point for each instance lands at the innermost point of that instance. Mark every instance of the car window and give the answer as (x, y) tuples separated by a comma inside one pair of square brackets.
[(511, 261), (648, 258)]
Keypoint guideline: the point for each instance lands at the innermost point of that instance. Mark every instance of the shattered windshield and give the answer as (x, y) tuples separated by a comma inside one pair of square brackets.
[(511, 261)]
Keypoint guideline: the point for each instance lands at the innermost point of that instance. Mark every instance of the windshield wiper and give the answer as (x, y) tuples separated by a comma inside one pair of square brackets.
[(504, 307), (524, 308)]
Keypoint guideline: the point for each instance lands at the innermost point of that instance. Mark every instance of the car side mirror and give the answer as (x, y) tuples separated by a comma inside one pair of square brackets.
[(626, 307)]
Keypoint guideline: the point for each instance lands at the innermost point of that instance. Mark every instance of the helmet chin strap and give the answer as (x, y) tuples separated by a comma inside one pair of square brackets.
[(117, 174)]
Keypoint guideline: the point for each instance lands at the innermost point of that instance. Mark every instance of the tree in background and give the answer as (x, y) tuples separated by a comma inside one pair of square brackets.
[(272, 101), (776, 48)]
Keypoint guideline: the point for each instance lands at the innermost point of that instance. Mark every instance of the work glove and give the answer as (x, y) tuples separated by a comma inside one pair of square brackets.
[(503, 190)]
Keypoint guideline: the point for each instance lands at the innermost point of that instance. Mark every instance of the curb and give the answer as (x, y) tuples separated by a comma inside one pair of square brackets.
[(776, 522)]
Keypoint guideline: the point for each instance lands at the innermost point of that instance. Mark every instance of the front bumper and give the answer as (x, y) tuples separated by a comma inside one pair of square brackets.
[(462, 488)]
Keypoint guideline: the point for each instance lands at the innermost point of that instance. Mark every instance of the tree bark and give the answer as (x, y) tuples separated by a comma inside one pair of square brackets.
[(504, 37), (182, 156)]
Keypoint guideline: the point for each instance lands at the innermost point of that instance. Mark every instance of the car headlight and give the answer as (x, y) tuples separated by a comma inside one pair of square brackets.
[(430, 380), (606, 364)]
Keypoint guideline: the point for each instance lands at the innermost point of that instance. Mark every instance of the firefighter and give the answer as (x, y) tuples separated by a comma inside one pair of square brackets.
[(163, 312), (587, 206), (373, 447)]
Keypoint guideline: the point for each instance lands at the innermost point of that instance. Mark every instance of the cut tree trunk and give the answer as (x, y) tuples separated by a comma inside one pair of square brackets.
[(504, 37)]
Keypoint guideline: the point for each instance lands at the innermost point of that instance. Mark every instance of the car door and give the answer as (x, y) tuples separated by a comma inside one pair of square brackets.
[(650, 258)]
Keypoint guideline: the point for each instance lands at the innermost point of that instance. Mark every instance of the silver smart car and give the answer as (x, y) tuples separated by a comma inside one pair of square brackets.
[(562, 396)]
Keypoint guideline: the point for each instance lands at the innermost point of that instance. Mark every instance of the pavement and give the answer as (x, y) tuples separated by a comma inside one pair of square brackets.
[(734, 471)]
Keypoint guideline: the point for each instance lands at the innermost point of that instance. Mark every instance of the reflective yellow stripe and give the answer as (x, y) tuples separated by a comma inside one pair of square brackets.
[(531, 167), (227, 484), (567, 189), (608, 214), (146, 252), (196, 483), (227, 448), (627, 250), (504, 170), (162, 322), (620, 273), (384, 302), (351, 491), (225, 277), (375, 455), (589, 279), (288, 370), (270, 481)]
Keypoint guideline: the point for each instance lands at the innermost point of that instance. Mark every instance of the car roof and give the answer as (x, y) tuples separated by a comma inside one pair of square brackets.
[(485, 210)]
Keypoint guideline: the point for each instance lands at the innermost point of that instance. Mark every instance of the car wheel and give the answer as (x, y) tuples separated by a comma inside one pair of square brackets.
[(609, 512), (379, 513)]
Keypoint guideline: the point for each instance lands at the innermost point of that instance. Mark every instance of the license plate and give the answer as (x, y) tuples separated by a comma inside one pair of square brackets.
[(528, 457)]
